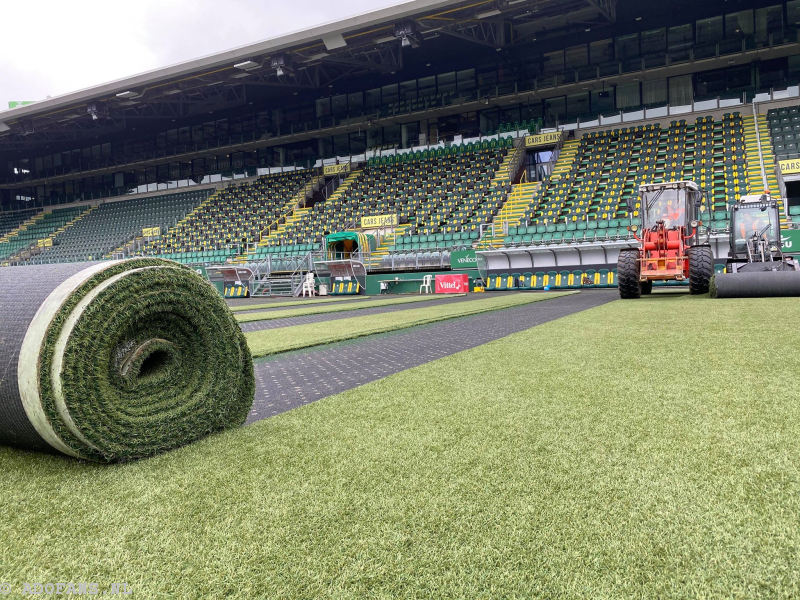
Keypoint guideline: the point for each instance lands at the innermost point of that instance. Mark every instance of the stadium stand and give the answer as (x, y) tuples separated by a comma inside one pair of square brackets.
[(9, 221), (585, 199), (46, 223), (784, 127), (106, 228), (438, 191), (231, 219)]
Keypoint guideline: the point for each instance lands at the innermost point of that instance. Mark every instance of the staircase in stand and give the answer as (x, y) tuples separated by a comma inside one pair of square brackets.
[(293, 210), (376, 257), (23, 226), (755, 182), (521, 197), (66, 226)]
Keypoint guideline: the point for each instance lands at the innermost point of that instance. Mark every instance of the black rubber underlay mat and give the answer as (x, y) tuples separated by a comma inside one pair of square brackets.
[(288, 381)]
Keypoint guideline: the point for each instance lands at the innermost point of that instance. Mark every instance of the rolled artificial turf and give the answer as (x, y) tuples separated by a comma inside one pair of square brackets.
[(316, 310), (117, 360), (284, 339)]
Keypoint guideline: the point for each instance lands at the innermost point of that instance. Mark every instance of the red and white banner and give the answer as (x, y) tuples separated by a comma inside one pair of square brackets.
[(452, 284)]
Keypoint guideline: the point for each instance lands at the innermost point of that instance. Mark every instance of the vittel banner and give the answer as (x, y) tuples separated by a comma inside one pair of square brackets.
[(452, 284)]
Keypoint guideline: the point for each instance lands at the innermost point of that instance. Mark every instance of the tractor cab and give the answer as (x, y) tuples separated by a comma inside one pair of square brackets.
[(755, 229), (675, 204)]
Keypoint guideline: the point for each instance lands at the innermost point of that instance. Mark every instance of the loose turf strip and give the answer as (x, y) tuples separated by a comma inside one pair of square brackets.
[(282, 339), (584, 458), (117, 360), (316, 310), (309, 302)]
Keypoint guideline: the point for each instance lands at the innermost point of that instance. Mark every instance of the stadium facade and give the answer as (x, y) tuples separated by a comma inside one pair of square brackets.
[(399, 77), (519, 129)]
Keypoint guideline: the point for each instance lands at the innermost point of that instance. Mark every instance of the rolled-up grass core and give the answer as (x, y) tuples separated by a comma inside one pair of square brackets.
[(127, 359)]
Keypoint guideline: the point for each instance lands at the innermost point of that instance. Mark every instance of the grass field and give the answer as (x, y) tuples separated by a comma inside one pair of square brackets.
[(317, 310), (284, 339), (307, 302), (642, 449)]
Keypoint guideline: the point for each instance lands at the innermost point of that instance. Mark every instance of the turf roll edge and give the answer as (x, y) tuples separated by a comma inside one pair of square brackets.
[(117, 360)]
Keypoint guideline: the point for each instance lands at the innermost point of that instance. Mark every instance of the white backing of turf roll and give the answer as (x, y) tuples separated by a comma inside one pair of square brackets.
[(28, 364)]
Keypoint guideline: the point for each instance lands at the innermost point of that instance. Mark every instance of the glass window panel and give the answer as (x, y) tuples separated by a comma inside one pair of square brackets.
[(339, 104), (466, 79), (408, 90), (709, 31), (373, 98), (355, 102), (427, 86), (389, 93), (577, 56), (680, 90), (578, 106), (555, 109), (603, 102), (654, 41), (446, 82), (654, 92), (628, 95), (739, 24), (793, 12), (681, 36), (627, 46), (769, 21), (603, 51), (553, 63)]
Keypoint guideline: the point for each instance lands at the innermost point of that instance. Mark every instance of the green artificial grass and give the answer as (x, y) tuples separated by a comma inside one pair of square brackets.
[(308, 302), (283, 339), (642, 449), (316, 310)]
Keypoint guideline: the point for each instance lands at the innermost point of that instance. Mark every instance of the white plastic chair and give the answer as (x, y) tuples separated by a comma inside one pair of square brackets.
[(308, 284), (426, 284)]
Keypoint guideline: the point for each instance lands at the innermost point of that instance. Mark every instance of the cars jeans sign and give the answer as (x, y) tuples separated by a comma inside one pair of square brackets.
[(339, 169), (374, 221), (543, 139)]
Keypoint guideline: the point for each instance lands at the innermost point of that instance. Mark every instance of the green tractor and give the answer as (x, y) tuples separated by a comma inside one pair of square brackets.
[(756, 266)]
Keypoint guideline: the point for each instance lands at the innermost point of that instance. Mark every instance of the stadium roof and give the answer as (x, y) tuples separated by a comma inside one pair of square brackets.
[(372, 43)]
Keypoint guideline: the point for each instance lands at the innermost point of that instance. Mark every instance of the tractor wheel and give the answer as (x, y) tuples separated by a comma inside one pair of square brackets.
[(647, 287), (628, 268), (701, 269)]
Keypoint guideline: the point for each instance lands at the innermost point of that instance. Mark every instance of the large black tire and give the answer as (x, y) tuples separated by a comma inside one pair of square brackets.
[(647, 287), (628, 269), (701, 269)]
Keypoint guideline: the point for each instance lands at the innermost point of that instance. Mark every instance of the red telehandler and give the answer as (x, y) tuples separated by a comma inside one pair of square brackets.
[(671, 246)]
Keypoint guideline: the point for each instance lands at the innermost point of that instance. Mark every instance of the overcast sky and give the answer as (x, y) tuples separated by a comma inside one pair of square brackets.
[(52, 47)]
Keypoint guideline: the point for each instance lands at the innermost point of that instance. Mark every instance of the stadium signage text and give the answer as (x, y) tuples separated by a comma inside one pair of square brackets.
[(789, 167), (374, 221), (463, 259), (542, 139), (336, 169), (151, 231), (452, 284), (790, 241)]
